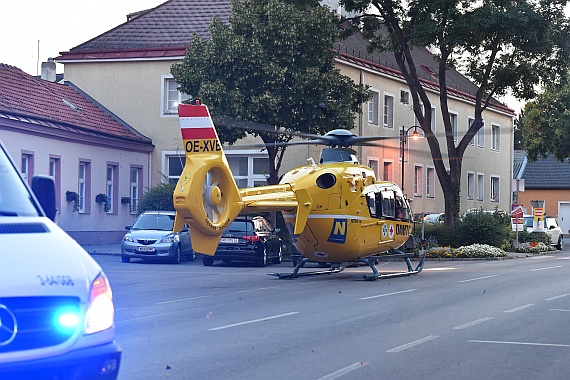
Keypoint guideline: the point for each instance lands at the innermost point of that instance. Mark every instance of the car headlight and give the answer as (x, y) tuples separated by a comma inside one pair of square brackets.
[(100, 310), (128, 238), (171, 239)]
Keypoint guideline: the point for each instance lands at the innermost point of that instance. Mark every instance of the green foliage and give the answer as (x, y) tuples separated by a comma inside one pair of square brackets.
[(157, 198), (546, 123), (527, 237), (272, 64)]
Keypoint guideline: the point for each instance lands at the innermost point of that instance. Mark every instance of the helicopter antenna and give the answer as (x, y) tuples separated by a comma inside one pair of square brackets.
[(312, 162)]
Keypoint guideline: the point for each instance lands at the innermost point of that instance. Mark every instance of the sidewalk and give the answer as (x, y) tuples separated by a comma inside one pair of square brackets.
[(103, 249)]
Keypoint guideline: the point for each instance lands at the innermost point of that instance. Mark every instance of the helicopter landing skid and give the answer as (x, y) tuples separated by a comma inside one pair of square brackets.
[(399, 255), (332, 270)]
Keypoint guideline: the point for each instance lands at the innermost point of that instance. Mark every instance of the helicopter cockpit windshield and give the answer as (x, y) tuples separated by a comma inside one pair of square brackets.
[(338, 155)]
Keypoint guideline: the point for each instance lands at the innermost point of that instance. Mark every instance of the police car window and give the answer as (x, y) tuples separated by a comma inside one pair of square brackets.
[(15, 200)]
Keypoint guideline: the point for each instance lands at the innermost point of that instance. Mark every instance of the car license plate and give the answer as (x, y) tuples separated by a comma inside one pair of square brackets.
[(229, 240), (146, 249)]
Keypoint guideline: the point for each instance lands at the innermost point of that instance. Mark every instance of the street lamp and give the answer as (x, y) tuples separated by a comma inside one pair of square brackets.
[(403, 139)]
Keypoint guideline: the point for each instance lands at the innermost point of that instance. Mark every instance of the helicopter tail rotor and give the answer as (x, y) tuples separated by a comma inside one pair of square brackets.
[(206, 195)]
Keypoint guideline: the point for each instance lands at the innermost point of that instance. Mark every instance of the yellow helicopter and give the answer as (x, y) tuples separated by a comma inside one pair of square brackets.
[(337, 211)]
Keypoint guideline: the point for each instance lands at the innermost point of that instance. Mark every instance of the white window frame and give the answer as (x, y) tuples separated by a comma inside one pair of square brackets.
[(373, 107), (164, 97), (480, 186), (470, 185), (134, 187), (481, 135), (495, 188), (430, 181), (251, 155), (82, 181), (404, 96), (374, 164), (166, 155), (418, 180), (26, 167), (111, 185), (388, 111), (470, 121), (453, 117), (496, 137)]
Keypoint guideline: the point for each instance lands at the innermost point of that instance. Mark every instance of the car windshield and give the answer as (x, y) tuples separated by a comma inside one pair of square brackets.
[(15, 200), (240, 226), (161, 222)]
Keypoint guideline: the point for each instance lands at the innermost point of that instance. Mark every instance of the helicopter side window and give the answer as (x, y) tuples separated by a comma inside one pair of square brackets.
[(371, 202), (402, 211), (388, 204)]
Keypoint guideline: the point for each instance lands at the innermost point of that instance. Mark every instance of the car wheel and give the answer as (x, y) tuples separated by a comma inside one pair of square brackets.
[(560, 244), (176, 259), (277, 260), (262, 260), (125, 259), (208, 261), (191, 256)]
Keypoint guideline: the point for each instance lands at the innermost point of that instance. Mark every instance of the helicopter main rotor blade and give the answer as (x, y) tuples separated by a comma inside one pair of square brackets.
[(226, 121)]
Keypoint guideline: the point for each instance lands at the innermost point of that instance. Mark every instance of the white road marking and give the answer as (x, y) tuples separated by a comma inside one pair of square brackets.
[(147, 316), (256, 289), (182, 300), (519, 308), (343, 371), (476, 322), (563, 258), (539, 257), (414, 343), (253, 321), (535, 270), (479, 278), (520, 343), (558, 310), (388, 294), (438, 269), (556, 297)]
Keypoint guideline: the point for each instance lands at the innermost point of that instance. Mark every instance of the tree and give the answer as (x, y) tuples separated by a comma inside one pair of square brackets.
[(499, 44), (272, 64), (546, 123)]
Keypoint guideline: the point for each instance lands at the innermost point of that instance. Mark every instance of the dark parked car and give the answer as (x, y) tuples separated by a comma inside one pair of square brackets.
[(151, 237), (250, 240)]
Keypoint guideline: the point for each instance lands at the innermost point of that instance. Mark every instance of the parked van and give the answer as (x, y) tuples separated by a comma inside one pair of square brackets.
[(56, 304)]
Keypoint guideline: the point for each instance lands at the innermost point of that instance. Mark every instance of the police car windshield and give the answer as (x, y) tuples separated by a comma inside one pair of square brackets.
[(15, 199)]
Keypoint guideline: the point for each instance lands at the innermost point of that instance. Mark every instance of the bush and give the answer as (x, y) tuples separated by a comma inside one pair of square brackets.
[(478, 251), (157, 198)]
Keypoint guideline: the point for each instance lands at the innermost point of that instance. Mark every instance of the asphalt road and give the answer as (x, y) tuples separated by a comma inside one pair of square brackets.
[(502, 319)]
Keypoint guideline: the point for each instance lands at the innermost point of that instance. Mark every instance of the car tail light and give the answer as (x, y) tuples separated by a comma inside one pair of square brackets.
[(250, 238)]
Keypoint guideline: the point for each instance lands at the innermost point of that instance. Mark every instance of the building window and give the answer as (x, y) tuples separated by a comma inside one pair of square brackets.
[(430, 182), (373, 164), (373, 107), (388, 111), (171, 96), (83, 186), (27, 168), (480, 187), (136, 189), (495, 189), (249, 169), (433, 119), (112, 188), (470, 185), (453, 120), (470, 121), (481, 136), (388, 172), (404, 97), (496, 138), (55, 173), (418, 175), (173, 165)]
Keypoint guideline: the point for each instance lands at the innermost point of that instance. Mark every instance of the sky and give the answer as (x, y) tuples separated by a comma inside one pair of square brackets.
[(58, 25)]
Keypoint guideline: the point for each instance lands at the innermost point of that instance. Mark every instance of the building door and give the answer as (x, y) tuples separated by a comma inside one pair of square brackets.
[(564, 216)]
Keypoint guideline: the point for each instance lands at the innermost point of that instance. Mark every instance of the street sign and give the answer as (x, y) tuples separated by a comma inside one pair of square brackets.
[(517, 211)]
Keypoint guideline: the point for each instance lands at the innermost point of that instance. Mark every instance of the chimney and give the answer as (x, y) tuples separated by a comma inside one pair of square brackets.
[(48, 70)]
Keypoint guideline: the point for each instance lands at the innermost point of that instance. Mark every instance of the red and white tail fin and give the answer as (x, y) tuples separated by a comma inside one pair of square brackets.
[(206, 196)]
